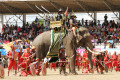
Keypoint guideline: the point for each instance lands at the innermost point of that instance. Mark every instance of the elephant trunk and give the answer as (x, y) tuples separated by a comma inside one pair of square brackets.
[(89, 47)]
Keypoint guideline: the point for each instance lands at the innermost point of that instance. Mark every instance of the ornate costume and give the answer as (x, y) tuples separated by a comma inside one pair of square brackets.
[(62, 60)]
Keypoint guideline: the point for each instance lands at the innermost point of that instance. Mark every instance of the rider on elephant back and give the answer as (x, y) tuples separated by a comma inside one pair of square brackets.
[(73, 24), (59, 16), (74, 28)]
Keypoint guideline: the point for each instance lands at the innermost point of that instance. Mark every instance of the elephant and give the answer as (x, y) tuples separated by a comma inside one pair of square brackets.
[(43, 41)]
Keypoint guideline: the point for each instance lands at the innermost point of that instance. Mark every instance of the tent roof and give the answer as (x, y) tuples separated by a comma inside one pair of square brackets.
[(28, 6)]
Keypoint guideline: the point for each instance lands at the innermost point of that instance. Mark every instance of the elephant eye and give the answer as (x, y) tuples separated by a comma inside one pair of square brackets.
[(79, 33)]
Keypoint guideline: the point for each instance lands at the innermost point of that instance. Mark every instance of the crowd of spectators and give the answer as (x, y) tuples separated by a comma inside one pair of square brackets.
[(101, 33), (108, 30), (27, 32)]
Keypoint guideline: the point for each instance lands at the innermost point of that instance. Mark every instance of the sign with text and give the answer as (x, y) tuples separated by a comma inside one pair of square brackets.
[(54, 24)]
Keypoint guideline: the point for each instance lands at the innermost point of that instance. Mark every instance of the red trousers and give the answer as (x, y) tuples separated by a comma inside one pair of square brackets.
[(110, 64), (53, 65), (19, 62), (114, 63), (25, 73), (23, 65), (11, 64), (85, 65), (107, 64)]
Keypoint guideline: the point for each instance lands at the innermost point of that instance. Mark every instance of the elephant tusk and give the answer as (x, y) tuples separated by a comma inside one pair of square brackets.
[(90, 50), (93, 52)]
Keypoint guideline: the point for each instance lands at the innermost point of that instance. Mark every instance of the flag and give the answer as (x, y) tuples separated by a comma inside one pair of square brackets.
[(73, 12), (66, 12)]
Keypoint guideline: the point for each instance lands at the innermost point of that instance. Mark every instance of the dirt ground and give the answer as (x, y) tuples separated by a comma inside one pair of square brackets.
[(54, 75)]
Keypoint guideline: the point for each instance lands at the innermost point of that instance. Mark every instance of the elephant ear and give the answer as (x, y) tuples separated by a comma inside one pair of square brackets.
[(78, 38), (80, 34)]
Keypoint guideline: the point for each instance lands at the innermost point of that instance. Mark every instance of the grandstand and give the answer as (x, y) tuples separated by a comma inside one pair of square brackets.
[(24, 7)]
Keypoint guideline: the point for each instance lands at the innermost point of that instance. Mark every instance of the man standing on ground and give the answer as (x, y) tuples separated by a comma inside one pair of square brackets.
[(12, 62), (62, 59)]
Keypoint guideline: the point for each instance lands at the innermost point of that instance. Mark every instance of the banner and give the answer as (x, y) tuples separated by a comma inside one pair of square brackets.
[(54, 24), (111, 50), (110, 41)]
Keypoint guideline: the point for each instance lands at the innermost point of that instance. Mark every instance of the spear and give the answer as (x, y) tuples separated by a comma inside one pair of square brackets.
[(40, 9), (45, 9), (28, 4)]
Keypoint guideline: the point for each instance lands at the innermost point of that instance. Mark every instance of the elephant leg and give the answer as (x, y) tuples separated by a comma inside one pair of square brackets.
[(72, 64), (90, 60), (39, 53), (71, 52), (69, 68)]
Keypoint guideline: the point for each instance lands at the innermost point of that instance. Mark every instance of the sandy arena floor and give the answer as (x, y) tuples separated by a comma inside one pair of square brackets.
[(54, 75)]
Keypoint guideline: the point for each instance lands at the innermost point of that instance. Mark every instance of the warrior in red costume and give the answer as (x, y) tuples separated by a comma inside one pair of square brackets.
[(78, 61), (110, 63), (119, 62), (94, 61), (106, 59), (99, 63), (43, 68), (85, 62), (62, 59), (20, 60), (37, 67), (26, 62), (12, 62), (114, 61)]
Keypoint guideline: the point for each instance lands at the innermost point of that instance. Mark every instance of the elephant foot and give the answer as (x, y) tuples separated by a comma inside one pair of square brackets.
[(65, 74), (73, 73), (102, 72), (91, 71)]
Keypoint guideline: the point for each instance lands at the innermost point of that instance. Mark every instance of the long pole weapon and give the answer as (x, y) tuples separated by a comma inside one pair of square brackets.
[(40, 9), (45, 9), (28, 4)]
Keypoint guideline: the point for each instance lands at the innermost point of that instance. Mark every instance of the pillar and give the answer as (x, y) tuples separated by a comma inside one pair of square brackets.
[(1, 22), (24, 19), (95, 16), (119, 17)]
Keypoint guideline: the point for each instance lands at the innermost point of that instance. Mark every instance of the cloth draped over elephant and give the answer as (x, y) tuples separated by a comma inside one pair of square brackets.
[(56, 43)]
